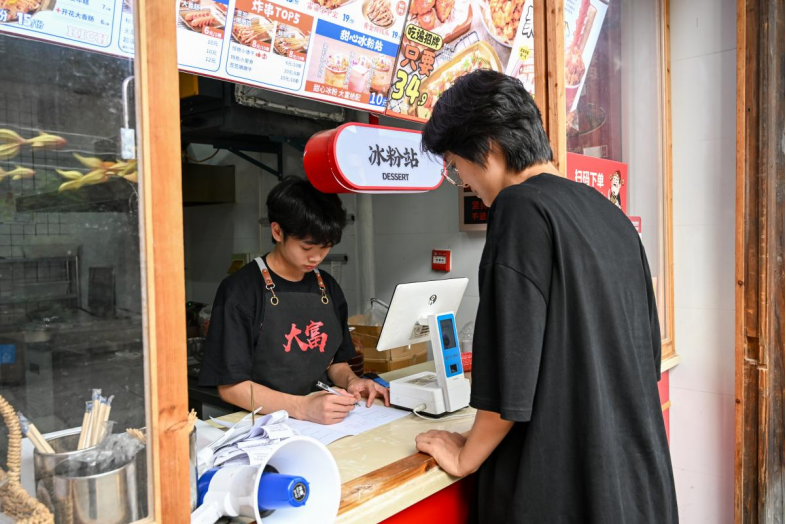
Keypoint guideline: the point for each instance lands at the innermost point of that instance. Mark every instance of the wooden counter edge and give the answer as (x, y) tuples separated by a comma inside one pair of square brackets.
[(385, 479)]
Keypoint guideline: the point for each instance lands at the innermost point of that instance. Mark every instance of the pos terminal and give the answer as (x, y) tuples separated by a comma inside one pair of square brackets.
[(421, 311)]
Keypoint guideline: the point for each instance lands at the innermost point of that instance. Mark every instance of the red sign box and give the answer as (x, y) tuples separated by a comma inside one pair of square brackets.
[(607, 176)]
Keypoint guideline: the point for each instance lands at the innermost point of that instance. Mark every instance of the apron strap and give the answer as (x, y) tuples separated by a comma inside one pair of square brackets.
[(270, 285), (325, 299)]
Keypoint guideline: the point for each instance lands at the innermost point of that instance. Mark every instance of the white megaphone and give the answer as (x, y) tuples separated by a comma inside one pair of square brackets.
[(299, 482)]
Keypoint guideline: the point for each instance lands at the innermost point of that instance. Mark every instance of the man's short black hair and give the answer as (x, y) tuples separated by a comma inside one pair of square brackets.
[(484, 109), (306, 213)]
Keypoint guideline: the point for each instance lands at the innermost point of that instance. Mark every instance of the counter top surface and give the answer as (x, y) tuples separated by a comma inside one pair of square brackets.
[(381, 471)]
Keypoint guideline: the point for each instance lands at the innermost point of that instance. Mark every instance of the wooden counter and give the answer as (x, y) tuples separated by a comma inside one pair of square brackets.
[(381, 471)]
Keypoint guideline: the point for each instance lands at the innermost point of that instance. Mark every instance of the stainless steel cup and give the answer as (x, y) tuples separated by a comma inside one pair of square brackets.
[(91, 494), (44, 465)]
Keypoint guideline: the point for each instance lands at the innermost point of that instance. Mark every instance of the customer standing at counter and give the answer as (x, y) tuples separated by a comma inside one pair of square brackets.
[(567, 340), (279, 325)]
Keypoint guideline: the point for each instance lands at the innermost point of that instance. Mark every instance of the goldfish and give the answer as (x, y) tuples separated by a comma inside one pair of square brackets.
[(97, 176), (17, 173), (9, 150), (132, 177), (92, 162), (10, 143), (46, 141), (70, 175), (10, 136)]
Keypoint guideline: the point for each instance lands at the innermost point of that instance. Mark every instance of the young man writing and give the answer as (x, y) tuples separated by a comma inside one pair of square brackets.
[(567, 340), (279, 325)]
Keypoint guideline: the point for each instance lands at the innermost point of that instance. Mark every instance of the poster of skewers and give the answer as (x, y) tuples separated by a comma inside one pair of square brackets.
[(270, 44), (200, 33), (445, 39)]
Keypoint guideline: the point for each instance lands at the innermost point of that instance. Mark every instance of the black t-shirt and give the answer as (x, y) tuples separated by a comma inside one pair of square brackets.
[(567, 346), (237, 318)]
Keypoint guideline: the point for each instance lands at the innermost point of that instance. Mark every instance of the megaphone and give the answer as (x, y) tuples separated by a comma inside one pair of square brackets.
[(299, 482)]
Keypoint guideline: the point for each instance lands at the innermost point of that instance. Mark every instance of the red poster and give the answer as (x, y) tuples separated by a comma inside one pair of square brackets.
[(607, 176)]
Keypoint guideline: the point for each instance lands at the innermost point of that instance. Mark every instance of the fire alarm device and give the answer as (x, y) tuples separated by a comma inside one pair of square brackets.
[(440, 260)]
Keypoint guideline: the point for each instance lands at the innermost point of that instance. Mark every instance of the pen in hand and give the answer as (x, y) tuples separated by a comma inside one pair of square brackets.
[(322, 385)]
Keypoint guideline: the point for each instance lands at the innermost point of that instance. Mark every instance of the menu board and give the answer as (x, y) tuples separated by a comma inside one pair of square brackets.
[(583, 21), (90, 24), (340, 51), (445, 39)]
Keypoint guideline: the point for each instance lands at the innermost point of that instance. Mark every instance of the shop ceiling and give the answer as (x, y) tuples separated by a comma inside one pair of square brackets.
[(243, 120)]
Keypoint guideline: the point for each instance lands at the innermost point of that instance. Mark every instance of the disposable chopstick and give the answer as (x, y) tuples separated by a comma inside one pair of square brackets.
[(96, 420), (37, 434), (106, 409), (32, 433), (85, 422), (87, 427)]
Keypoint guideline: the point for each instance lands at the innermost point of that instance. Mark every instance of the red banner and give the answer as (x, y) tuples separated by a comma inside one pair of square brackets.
[(607, 176)]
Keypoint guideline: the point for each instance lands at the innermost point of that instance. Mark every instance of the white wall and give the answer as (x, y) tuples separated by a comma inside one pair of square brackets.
[(408, 227), (702, 386)]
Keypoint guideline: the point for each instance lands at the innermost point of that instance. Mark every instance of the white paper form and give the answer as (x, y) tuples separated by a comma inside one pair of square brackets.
[(359, 420)]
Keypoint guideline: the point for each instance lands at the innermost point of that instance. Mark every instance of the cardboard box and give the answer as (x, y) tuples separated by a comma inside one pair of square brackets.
[(383, 366), (382, 361)]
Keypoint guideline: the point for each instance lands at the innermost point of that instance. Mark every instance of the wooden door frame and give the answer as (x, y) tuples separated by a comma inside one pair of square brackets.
[(759, 297), (161, 253)]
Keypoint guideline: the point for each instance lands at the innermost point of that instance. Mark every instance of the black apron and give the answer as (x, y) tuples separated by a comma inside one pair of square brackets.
[(298, 339)]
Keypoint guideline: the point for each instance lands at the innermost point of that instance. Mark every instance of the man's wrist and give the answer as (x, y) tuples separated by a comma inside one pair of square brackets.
[(298, 407), (351, 377)]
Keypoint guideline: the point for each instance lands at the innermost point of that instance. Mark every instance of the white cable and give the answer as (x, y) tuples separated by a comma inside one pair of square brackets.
[(436, 419)]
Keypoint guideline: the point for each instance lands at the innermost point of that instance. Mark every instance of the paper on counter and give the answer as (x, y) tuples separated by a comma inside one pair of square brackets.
[(359, 420)]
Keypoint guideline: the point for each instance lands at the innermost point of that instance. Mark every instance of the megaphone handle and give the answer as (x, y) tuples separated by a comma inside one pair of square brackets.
[(206, 514)]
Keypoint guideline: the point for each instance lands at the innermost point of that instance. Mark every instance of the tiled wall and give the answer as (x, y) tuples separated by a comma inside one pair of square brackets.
[(702, 386), (408, 227)]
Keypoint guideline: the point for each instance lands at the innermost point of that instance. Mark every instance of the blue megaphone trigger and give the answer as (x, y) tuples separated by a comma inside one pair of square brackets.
[(277, 491)]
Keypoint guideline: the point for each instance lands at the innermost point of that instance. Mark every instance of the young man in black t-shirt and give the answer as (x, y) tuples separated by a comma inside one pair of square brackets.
[(567, 341), (279, 325)]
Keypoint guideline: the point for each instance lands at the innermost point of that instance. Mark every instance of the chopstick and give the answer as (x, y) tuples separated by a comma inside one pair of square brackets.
[(32, 433), (85, 424)]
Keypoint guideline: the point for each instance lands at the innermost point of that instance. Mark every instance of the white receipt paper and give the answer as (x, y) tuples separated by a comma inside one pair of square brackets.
[(359, 420)]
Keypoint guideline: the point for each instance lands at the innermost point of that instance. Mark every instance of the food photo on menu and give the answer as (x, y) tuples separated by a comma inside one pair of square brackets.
[(253, 30), (197, 15), (12, 11), (445, 39), (290, 39)]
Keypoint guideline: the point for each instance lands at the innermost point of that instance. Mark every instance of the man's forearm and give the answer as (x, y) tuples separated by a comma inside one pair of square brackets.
[(486, 434), (268, 399), (341, 374)]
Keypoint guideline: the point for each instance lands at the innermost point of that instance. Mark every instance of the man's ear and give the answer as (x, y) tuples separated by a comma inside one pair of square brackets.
[(278, 233)]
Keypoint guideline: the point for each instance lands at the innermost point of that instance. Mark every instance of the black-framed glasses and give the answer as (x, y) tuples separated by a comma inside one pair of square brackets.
[(449, 172)]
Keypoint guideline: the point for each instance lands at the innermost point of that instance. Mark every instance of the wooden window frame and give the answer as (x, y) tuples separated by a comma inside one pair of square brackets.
[(550, 98), (161, 253)]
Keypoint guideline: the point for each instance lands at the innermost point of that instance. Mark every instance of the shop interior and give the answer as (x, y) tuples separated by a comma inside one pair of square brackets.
[(69, 273)]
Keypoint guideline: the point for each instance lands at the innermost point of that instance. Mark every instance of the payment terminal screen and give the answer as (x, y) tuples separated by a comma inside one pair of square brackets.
[(448, 333), (450, 351)]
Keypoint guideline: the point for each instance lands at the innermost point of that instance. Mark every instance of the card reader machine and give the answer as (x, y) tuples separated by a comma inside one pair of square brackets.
[(446, 389), (421, 311)]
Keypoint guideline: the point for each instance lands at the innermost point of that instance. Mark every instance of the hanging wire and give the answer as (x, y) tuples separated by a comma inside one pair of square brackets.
[(203, 160)]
